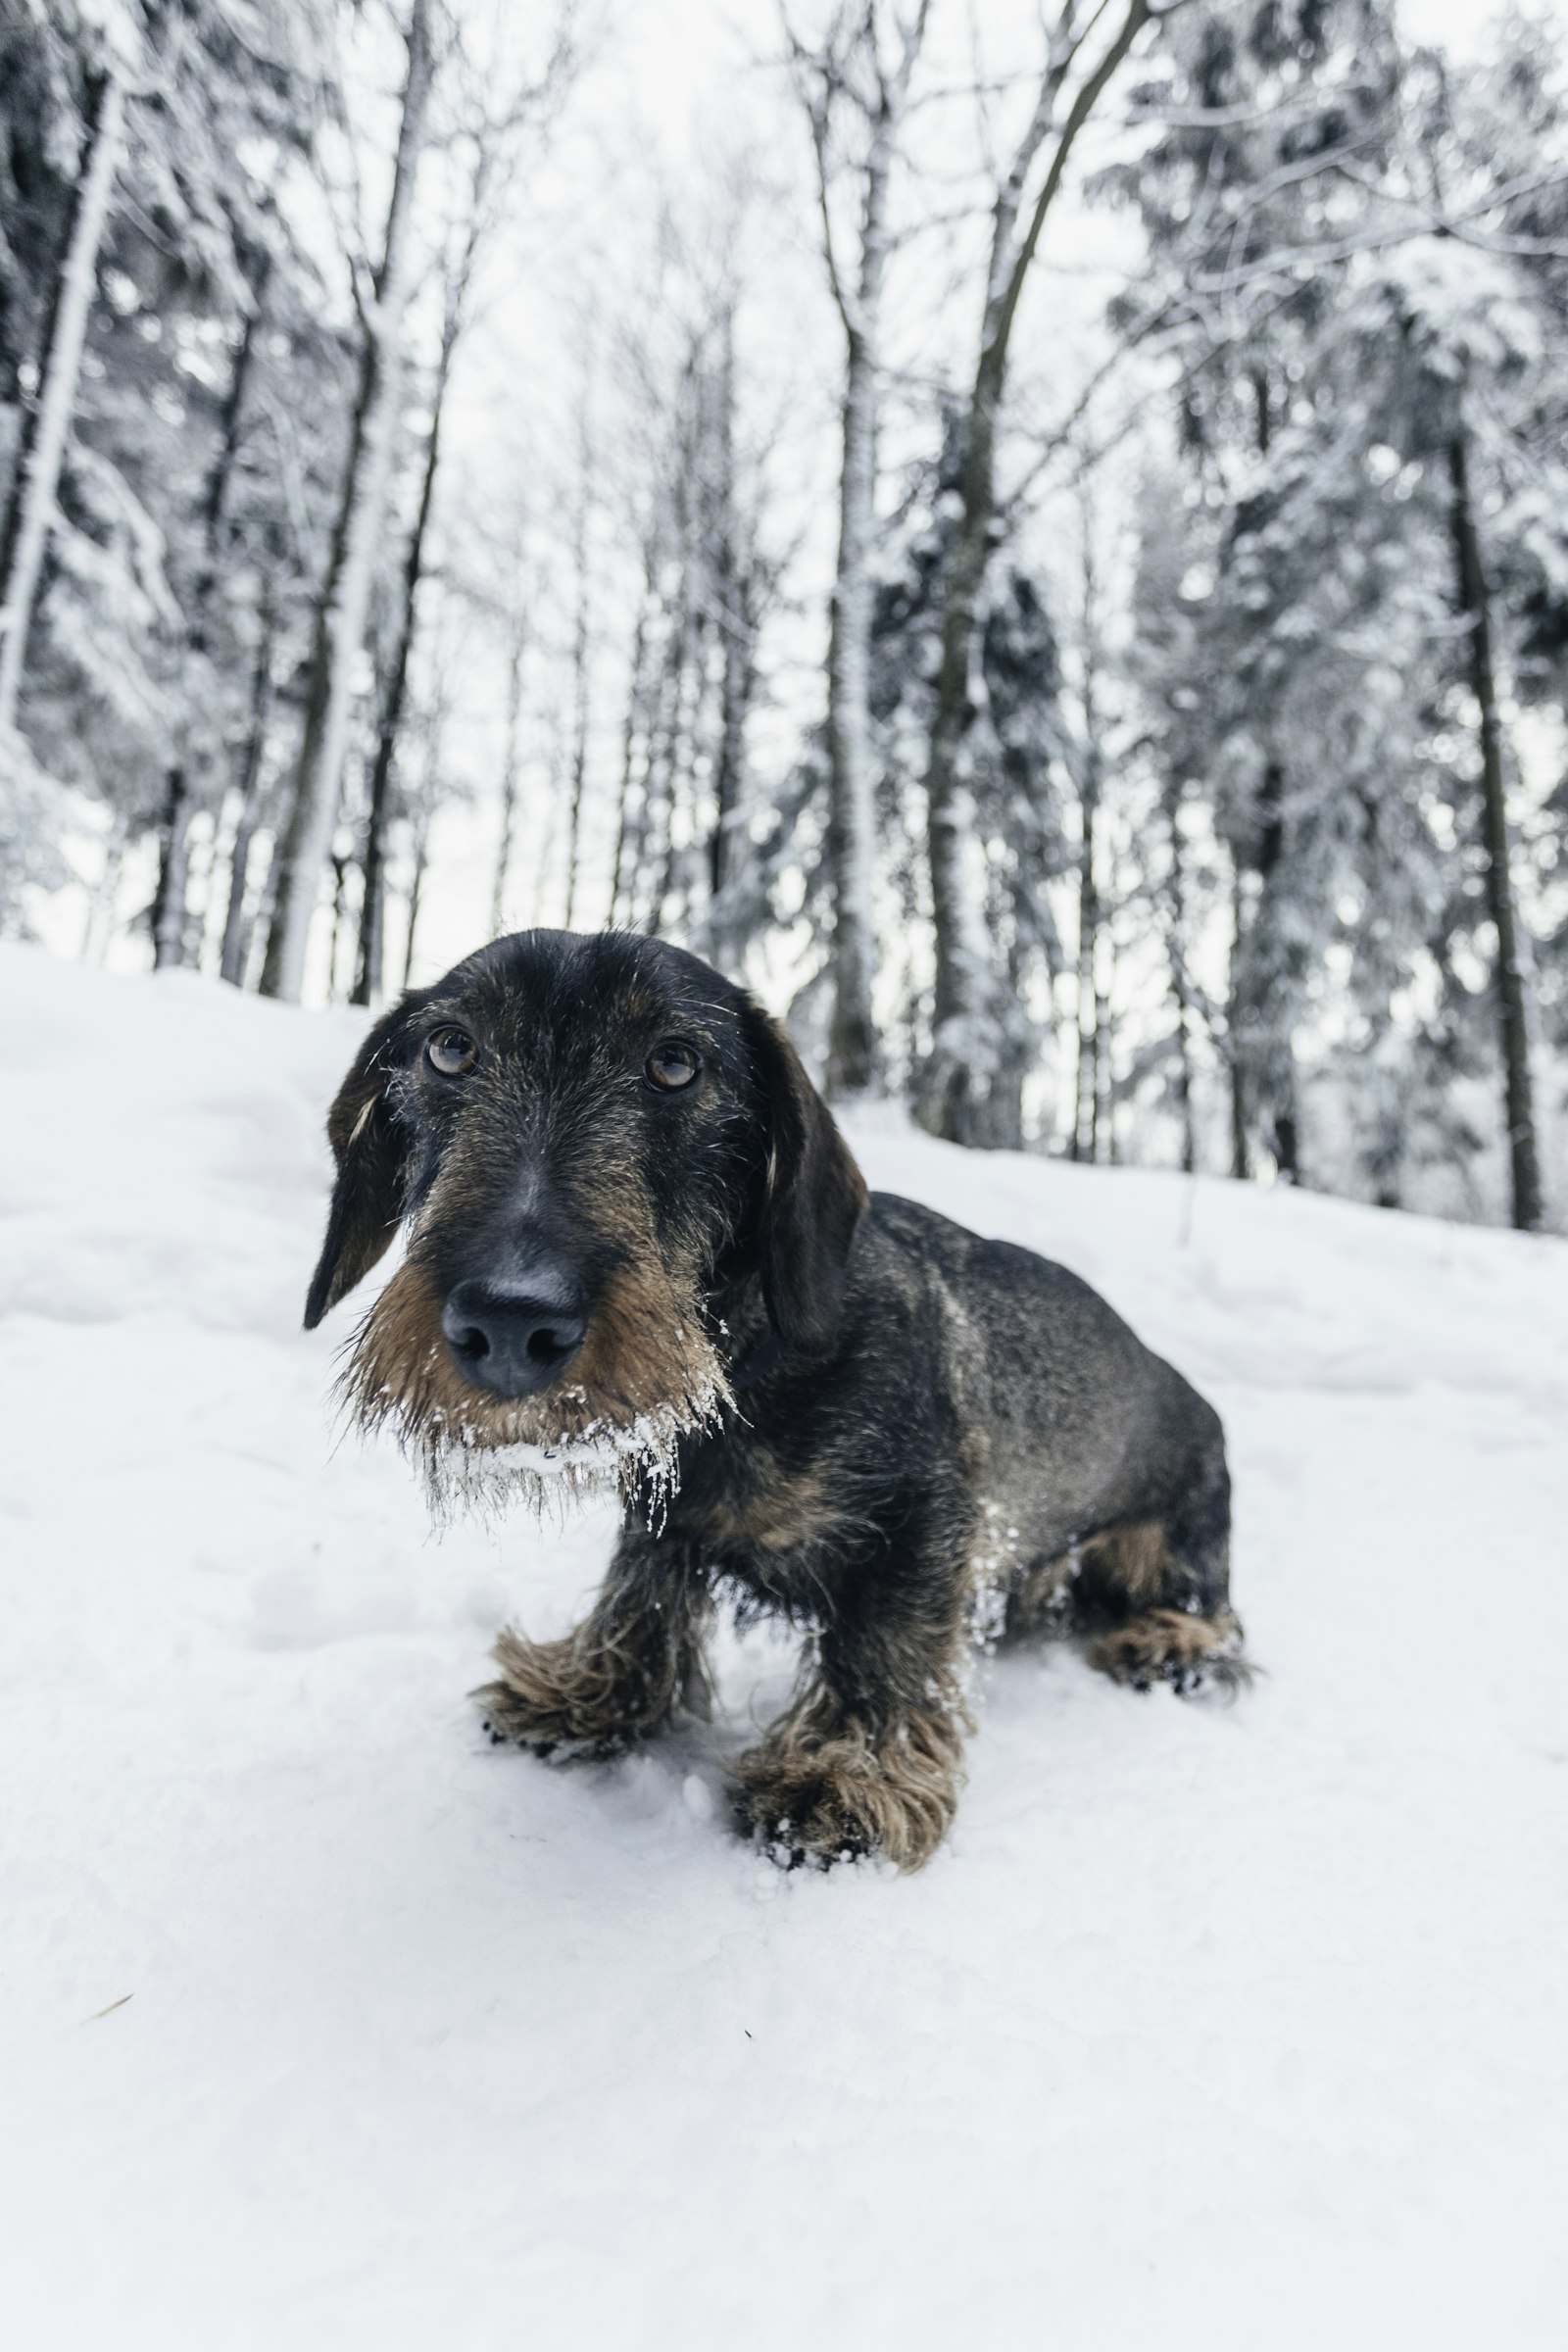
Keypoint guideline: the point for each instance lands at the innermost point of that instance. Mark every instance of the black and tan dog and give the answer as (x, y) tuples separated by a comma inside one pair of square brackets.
[(639, 1251)]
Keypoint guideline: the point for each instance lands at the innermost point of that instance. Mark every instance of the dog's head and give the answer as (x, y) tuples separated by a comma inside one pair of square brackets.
[(590, 1141)]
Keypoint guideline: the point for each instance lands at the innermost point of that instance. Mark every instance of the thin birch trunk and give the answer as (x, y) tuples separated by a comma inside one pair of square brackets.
[(421, 845), (734, 584), (372, 911), (738, 685), (36, 482), (1086, 1110), (579, 669), (1180, 985), (342, 612), (1475, 604), (509, 772), (1087, 1090), (1234, 1021), (854, 1061), (101, 909), (682, 760), (635, 728), (1269, 1007), (954, 1084), (1105, 1059)]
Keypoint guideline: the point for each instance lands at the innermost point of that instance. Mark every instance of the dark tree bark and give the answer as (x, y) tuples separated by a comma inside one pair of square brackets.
[(235, 950), (372, 913), (955, 1082), (1475, 605), (1236, 1060), (168, 913)]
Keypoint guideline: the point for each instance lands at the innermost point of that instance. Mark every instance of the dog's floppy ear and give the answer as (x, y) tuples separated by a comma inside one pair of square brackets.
[(814, 1195), (369, 1148)]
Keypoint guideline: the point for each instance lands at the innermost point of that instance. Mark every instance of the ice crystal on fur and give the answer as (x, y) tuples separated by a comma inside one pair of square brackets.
[(466, 1469)]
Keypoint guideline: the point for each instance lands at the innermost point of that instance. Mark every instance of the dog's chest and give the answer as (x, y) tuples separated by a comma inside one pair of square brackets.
[(756, 1506)]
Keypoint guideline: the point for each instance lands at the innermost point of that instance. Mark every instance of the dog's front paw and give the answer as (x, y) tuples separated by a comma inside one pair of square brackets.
[(513, 1719), (834, 1801), (556, 1697), (797, 1820)]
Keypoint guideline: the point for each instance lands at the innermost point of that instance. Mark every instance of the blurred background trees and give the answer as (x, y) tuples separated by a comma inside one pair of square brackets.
[(1040, 544)]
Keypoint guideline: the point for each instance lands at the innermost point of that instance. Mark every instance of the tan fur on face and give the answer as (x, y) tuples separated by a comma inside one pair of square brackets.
[(645, 1373), (820, 1785)]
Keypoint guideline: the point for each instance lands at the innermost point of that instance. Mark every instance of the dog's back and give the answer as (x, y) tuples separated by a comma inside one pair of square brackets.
[(1086, 1450)]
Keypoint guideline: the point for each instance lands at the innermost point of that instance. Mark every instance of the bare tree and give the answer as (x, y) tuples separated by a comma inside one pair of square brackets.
[(861, 66), (345, 599), (373, 908), (955, 1083)]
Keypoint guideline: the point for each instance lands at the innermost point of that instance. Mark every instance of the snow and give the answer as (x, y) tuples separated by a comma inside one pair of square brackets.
[(1221, 2027)]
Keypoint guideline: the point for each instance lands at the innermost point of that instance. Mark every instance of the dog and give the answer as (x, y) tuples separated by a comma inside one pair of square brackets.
[(639, 1253)]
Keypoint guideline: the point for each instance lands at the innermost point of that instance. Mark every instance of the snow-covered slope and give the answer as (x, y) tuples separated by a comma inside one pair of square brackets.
[(1214, 2027)]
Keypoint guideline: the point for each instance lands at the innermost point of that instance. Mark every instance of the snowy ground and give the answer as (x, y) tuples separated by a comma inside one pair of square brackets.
[(324, 2022)]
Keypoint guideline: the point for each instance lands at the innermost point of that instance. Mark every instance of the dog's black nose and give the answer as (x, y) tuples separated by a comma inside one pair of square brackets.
[(509, 1341)]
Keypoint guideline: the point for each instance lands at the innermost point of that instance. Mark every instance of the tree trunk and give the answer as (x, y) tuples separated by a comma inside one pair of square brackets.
[(168, 914), (509, 775), (1235, 1018), (736, 624), (37, 481), (635, 729), (738, 685), (854, 1062), (233, 956), (1269, 1009), (579, 678), (341, 613), (966, 1027), (1180, 986), (182, 799), (1086, 1090), (101, 908), (1475, 604), (372, 911), (422, 845)]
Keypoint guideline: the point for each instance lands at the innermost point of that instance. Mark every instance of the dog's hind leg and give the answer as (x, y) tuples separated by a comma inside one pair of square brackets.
[(633, 1663), (1153, 1595)]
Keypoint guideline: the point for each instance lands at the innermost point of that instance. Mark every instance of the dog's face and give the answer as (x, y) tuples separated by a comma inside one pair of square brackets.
[(589, 1140)]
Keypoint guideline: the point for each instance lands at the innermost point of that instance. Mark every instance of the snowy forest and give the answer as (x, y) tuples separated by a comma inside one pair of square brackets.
[(1035, 536)]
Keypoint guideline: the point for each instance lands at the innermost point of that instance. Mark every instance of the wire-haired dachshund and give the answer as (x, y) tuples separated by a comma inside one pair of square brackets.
[(639, 1251)]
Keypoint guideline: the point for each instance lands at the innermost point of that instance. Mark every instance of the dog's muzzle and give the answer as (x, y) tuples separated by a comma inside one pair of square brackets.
[(513, 1339)]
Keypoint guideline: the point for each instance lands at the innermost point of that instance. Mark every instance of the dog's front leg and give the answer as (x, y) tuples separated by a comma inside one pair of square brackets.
[(635, 1659), (868, 1759)]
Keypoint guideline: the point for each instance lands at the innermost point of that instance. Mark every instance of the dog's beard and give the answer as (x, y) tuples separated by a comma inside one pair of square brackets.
[(648, 1376)]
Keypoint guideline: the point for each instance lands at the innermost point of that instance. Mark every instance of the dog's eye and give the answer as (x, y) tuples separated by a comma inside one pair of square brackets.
[(452, 1052), (672, 1065)]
